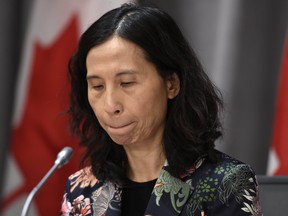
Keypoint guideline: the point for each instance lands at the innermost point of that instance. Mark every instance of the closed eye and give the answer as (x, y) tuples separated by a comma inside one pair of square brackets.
[(126, 84), (98, 87)]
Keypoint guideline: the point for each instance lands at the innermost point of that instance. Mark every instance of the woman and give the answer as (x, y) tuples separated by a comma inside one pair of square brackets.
[(148, 116)]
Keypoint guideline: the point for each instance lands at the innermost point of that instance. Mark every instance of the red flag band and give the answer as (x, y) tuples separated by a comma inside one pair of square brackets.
[(278, 160)]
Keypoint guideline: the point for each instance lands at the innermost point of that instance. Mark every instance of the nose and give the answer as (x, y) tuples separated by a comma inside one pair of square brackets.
[(112, 102)]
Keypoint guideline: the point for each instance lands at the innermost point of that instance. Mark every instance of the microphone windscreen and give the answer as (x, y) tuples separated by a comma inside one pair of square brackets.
[(63, 156)]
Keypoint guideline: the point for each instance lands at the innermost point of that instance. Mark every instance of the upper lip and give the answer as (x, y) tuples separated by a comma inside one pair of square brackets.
[(116, 126)]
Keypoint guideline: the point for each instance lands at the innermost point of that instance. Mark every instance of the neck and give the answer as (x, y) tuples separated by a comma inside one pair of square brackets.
[(145, 164)]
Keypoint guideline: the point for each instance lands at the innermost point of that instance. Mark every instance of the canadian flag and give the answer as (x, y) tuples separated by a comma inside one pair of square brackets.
[(40, 126), (278, 159)]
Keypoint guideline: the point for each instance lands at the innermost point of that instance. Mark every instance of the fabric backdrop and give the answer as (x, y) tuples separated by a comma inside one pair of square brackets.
[(39, 125), (240, 43)]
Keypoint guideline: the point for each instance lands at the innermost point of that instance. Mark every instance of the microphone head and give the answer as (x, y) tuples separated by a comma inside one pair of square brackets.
[(63, 156)]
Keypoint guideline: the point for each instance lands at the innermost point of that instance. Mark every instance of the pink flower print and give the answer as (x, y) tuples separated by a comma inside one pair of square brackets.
[(66, 207), (81, 206), (84, 178)]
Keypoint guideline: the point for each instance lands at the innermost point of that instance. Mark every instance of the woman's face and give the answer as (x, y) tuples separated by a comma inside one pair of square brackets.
[(127, 95)]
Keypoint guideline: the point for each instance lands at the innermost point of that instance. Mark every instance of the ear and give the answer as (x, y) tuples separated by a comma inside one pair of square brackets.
[(173, 86)]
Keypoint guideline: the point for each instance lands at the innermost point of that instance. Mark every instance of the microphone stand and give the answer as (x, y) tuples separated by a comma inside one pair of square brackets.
[(62, 158), (36, 189)]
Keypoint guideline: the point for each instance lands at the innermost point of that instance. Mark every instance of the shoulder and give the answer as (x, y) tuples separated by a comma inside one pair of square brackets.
[(90, 196), (78, 192), (83, 177), (80, 181), (227, 165), (225, 170), (227, 182), (224, 165)]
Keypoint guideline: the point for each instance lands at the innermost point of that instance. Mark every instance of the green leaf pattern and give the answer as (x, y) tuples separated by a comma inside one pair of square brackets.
[(226, 180), (239, 183), (170, 185)]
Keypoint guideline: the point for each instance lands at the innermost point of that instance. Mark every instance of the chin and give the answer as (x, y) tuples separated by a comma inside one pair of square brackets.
[(122, 140)]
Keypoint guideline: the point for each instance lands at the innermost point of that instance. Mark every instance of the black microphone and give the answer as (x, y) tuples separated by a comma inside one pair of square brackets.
[(63, 157)]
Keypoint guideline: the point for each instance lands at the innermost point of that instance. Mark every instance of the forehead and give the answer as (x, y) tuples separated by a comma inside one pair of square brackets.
[(115, 46), (116, 55)]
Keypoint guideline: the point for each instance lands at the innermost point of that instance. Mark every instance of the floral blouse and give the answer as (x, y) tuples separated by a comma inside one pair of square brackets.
[(228, 187)]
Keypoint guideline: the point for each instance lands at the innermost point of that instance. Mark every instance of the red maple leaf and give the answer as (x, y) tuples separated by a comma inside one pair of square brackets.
[(44, 130)]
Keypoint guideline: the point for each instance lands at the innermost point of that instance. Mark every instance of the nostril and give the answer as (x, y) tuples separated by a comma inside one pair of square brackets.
[(117, 111)]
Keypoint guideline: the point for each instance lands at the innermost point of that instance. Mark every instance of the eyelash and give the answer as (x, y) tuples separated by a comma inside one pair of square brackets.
[(122, 84), (126, 84), (98, 87)]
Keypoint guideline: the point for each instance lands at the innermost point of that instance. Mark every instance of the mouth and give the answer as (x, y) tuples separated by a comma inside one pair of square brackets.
[(120, 129), (119, 126)]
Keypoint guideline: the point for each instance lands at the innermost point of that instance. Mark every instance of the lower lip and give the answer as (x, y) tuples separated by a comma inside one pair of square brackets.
[(121, 130)]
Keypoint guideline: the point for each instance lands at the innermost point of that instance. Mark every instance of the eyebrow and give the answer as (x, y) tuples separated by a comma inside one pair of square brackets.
[(92, 77), (117, 75)]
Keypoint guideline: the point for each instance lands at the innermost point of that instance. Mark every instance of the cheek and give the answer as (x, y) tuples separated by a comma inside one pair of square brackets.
[(154, 109), (94, 104), (97, 111), (91, 102)]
